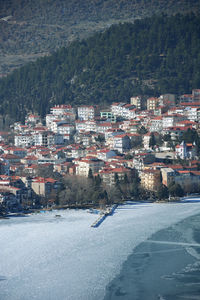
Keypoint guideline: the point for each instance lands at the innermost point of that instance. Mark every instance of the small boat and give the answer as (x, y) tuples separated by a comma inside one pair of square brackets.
[(57, 216)]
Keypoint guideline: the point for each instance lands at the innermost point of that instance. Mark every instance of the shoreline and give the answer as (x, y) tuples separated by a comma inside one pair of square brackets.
[(186, 199)]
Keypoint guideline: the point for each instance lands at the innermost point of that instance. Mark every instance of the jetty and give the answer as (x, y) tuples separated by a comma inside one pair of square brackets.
[(104, 215)]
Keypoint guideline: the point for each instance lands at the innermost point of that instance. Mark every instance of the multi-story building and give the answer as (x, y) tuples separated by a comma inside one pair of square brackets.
[(168, 175), (61, 109), (108, 175), (84, 165), (86, 112), (189, 180), (150, 179), (108, 115), (23, 140), (192, 113), (65, 129), (103, 127), (80, 125), (44, 186), (121, 143), (196, 94), (117, 108), (152, 103), (167, 99), (156, 124), (47, 138), (171, 120), (137, 101)]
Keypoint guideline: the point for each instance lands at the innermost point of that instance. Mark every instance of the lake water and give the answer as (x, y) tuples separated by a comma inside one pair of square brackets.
[(144, 251)]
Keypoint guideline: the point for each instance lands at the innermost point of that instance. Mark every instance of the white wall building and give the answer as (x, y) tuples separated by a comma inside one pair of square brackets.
[(86, 112), (23, 140)]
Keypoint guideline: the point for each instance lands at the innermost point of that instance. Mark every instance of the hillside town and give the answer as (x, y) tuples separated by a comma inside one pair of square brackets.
[(157, 137)]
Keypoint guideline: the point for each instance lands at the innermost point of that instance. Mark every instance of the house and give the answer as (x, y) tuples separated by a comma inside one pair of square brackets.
[(187, 123), (10, 158), (48, 138), (29, 160), (175, 132), (32, 119), (90, 125), (186, 150), (192, 113), (77, 151), (85, 138), (21, 152), (186, 98)]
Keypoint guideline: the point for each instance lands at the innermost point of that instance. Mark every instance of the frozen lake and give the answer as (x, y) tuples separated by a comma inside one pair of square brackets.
[(48, 258)]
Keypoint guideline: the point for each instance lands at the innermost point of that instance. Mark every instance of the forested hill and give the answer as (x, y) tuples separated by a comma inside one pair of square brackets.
[(33, 28), (154, 55)]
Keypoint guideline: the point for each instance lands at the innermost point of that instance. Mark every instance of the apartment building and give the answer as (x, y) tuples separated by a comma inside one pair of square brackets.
[(86, 112), (150, 179)]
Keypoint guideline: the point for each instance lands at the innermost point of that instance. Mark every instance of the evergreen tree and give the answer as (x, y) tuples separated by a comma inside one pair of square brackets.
[(162, 192), (90, 174), (152, 141), (175, 190)]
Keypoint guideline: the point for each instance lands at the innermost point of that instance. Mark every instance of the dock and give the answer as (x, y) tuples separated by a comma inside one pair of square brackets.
[(104, 215)]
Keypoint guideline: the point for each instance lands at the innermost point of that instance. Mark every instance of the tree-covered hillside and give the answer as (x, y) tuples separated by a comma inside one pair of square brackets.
[(154, 55), (34, 28)]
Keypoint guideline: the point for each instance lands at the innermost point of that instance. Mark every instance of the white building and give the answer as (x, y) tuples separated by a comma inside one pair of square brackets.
[(65, 129), (80, 125), (86, 112), (61, 109), (121, 143), (156, 124), (47, 138), (84, 165), (102, 127), (192, 113), (171, 120), (117, 108), (23, 140)]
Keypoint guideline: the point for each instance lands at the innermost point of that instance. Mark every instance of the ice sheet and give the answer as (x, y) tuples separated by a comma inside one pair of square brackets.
[(48, 258)]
